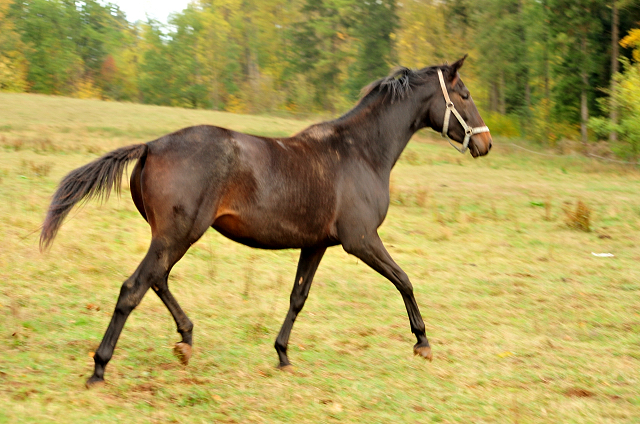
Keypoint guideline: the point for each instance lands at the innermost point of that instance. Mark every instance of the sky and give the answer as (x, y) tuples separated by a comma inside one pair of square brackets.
[(157, 9)]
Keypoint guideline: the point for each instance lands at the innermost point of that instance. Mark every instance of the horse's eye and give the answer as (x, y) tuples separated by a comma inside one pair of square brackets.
[(465, 96)]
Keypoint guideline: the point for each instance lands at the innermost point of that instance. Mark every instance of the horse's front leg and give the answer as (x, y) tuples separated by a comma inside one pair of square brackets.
[(370, 250), (307, 265)]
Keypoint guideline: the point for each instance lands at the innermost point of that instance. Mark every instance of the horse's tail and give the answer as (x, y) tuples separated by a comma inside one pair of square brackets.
[(95, 179)]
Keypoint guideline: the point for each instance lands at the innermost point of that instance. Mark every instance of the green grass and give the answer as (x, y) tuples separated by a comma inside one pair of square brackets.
[(526, 324)]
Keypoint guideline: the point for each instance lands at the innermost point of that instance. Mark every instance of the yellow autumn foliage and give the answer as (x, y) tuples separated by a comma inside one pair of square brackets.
[(13, 65), (632, 40), (86, 89)]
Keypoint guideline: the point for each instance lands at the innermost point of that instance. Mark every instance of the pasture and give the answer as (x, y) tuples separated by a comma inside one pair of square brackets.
[(525, 323)]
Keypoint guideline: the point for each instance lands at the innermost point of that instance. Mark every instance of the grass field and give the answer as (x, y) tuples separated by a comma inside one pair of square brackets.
[(526, 324)]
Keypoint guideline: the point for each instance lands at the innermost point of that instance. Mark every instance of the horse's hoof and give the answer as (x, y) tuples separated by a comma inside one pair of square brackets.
[(183, 352), (287, 368), (423, 351), (94, 382)]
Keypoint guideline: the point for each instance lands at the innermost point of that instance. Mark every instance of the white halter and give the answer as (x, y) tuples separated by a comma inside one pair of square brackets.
[(468, 131)]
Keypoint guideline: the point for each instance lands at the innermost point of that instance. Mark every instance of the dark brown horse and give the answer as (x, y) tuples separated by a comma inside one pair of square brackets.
[(325, 186)]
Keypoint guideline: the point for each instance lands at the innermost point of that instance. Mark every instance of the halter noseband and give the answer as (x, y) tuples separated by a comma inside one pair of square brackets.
[(468, 131)]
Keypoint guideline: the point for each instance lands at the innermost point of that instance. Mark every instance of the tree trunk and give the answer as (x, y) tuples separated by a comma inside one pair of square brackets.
[(251, 57), (502, 103), (584, 107), (613, 112), (214, 80), (493, 97), (584, 112), (547, 94)]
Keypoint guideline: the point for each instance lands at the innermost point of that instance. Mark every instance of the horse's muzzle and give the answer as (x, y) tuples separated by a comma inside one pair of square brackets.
[(480, 144)]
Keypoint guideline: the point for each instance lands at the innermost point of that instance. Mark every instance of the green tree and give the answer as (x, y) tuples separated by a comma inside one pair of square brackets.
[(102, 32), (575, 28), (46, 28), (424, 37), (374, 26), (626, 99), (187, 68), (320, 48), (504, 60), (218, 52), (156, 81), (70, 47)]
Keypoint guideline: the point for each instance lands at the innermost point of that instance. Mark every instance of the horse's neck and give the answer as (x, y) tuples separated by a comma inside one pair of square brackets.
[(381, 132)]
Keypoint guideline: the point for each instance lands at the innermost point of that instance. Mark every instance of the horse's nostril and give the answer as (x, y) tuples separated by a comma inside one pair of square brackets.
[(490, 146)]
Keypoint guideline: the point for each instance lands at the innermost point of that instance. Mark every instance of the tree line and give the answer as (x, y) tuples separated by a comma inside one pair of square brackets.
[(541, 69)]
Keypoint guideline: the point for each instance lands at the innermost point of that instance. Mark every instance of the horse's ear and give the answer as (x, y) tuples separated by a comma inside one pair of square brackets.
[(455, 66)]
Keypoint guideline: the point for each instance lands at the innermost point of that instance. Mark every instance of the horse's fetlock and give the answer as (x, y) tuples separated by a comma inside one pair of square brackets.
[(188, 328), (100, 359), (280, 347), (419, 330)]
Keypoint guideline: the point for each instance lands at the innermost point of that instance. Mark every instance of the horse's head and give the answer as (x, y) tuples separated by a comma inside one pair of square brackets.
[(453, 112), (432, 97)]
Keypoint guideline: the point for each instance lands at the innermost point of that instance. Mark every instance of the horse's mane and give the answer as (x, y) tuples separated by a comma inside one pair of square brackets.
[(399, 82)]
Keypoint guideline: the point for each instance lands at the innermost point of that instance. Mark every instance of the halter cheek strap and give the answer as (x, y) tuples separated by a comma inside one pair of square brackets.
[(468, 131)]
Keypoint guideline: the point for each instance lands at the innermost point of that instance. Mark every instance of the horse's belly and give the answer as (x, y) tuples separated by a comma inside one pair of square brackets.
[(271, 232)]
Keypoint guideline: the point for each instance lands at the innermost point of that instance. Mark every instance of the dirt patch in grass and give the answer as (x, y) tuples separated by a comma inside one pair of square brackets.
[(577, 392)]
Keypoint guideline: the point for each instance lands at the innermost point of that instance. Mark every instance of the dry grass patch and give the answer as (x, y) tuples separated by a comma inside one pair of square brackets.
[(578, 218)]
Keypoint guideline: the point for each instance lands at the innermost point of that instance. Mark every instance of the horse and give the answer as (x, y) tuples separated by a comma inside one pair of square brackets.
[(325, 186)]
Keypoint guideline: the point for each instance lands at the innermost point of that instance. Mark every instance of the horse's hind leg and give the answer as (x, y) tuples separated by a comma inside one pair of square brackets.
[(152, 272), (133, 290), (307, 265), (185, 326)]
